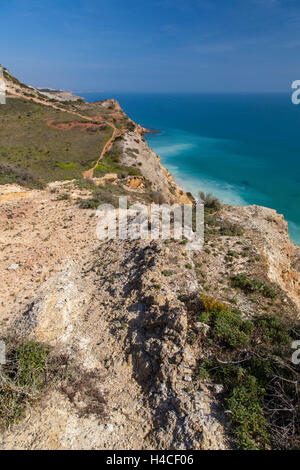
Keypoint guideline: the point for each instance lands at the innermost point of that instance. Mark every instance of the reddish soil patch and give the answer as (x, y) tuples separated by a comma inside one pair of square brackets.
[(65, 126)]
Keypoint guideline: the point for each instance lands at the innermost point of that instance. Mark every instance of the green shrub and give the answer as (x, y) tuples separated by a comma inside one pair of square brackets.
[(273, 330), (227, 325), (31, 367), (21, 379), (244, 283), (31, 360), (211, 203), (100, 196), (91, 203), (268, 291), (205, 318), (9, 174), (252, 359), (63, 197), (230, 230), (167, 272), (230, 329), (247, 285), (202, 374), (245, 403)]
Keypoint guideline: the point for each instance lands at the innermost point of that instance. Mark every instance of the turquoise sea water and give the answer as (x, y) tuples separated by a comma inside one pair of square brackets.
[(245, 149)]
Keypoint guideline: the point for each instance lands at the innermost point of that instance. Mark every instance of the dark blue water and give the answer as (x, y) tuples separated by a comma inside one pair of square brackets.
[(245, 149)]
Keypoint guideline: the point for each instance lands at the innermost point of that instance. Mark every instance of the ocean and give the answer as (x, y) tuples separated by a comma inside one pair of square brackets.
[(243, 148)]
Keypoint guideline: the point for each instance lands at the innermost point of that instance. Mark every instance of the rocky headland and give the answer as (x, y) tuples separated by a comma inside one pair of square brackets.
[(124, 329)]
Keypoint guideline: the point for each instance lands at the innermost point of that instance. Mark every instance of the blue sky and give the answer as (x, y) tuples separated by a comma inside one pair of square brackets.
[(153, 45)]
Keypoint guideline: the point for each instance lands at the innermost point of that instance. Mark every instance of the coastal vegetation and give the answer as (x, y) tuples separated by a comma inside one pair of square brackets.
[(22, 378), (39, 144), (250, 356), (211, 203), (31, 369), (248, 285), (208, 327)]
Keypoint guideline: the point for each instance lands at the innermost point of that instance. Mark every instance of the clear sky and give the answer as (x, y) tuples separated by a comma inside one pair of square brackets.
[(153, 45)]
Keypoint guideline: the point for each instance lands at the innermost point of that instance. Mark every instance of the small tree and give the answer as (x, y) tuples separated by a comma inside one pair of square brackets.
[(210, 202)]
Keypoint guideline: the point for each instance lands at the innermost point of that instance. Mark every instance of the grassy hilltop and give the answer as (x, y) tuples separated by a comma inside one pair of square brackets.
[(43, 139)]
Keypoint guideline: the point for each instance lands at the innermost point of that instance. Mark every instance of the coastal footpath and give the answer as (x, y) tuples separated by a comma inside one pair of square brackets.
[(135, 344)]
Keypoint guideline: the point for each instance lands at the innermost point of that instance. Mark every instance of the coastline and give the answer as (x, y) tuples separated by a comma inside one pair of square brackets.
[(232, 194), (150, 228), (186, 190), (231, 142), (129, 308)]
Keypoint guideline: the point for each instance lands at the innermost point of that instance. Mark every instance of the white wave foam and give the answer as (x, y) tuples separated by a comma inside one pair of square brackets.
[(227, 193), (172, 150)]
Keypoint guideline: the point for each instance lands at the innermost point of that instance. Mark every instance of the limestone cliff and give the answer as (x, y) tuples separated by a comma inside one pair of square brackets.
[(117, 314)]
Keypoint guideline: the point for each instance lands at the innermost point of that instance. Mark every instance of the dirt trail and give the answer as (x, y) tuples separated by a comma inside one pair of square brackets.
[(106, 148)]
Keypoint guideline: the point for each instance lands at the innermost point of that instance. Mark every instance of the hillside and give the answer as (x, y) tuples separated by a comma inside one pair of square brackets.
[(135, 344)]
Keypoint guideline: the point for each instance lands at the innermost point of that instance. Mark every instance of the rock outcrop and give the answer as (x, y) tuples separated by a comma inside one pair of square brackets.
[(137, 152), (115, 307), (269, 232), (109, 317)]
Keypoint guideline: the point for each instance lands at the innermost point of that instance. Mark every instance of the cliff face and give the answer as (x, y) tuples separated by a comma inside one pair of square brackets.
[(107, 314), (136, 151), (269, 232), (116, 309)]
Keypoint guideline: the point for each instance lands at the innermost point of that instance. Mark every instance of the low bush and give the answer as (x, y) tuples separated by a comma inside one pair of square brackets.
[(245, 403), (63, 197), (230, 230), (252, 358), (247, 285), (211, 203), (21, 379), (227, 326), (31, 368), (100, 196), (167, 272), (130, 126), (9, 173), (212, 305)]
